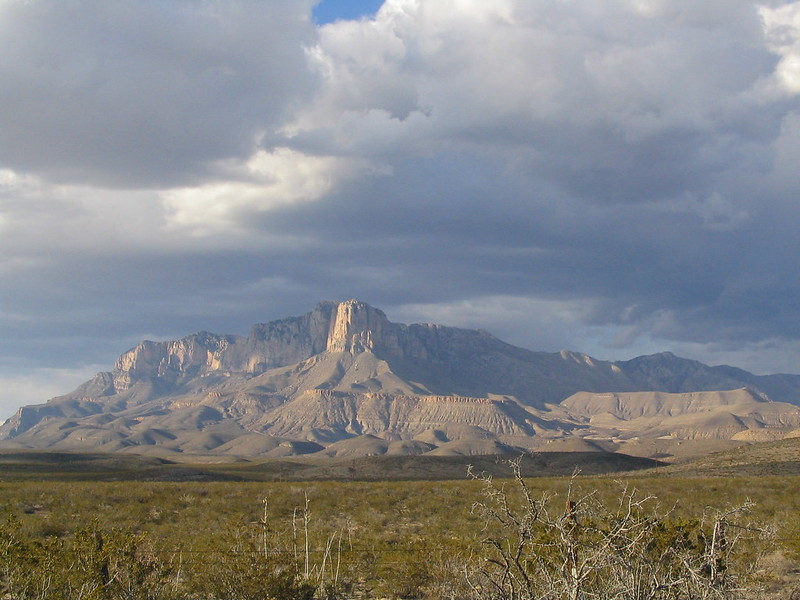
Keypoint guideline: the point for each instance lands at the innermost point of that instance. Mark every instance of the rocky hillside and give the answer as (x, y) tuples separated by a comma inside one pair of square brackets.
[(344, 375)]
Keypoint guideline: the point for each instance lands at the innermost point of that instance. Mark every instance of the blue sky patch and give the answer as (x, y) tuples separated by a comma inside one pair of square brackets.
[(329, 11)]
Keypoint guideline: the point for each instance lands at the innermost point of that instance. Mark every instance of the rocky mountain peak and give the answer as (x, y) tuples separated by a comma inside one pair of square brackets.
[(357, 327)]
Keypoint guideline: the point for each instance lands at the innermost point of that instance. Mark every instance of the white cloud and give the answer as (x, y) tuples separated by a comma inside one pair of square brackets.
[(45, 220), (782, 28), (267, 181), (587, 95)]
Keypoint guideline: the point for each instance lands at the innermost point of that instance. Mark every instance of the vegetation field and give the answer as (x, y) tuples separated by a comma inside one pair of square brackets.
[(61, 537)]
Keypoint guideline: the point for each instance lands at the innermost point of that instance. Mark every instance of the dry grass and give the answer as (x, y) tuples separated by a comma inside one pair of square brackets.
[(390, 537)]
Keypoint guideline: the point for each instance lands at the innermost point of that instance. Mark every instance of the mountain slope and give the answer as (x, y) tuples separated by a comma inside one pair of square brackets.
[(344, 370)]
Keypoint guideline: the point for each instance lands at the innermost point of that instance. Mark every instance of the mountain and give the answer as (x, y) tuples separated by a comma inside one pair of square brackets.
[(343, 380)]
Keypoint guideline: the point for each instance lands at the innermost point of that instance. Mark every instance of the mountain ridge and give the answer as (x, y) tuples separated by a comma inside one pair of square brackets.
[(343, 370)]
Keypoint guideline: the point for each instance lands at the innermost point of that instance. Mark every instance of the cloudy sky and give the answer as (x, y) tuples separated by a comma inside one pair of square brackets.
[(618, 177)]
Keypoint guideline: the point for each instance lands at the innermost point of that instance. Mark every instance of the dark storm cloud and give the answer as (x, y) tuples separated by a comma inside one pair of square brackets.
[(617, 153), (144, 94), (484, 232)]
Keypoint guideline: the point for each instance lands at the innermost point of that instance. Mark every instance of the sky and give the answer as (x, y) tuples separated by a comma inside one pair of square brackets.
[(329, 11), (616, 177)]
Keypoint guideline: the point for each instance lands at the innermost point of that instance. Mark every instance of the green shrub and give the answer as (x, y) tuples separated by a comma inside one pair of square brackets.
[(90, 565)]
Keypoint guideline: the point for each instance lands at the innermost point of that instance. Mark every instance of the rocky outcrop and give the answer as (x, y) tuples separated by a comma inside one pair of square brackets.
[(350, 326), (170, 362), (633, 405), (727, 414), (358, 327)]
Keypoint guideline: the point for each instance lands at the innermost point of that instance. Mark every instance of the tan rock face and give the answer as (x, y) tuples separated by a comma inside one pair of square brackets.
[(633, 405), (199, 353), (355, 328), (352, 326)]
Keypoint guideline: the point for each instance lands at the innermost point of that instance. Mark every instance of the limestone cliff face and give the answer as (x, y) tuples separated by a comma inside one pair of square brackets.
[(358, 327), (268, 345), (170, 361), (351, 326)]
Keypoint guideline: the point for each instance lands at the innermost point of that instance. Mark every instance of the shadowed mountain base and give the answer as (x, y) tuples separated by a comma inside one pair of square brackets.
[(65, 466)]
